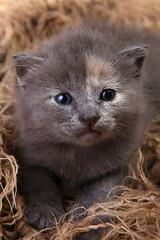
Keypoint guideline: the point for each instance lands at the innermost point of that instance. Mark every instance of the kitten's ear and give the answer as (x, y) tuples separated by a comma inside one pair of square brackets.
[(134, 55), (24, 64)]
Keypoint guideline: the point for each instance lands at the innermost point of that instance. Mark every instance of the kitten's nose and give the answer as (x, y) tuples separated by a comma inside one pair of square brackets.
[(89, 121)]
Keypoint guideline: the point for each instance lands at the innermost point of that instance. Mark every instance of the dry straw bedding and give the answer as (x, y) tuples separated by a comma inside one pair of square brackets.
[(22, 23)]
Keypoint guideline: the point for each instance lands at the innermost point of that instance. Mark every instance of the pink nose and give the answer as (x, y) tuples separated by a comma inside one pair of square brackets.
[(89, 121)]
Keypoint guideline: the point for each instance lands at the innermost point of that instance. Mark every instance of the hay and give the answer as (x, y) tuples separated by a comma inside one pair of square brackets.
[(136, 212)]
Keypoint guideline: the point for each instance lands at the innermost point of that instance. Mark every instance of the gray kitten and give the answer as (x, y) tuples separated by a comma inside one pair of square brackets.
[(83, 103)]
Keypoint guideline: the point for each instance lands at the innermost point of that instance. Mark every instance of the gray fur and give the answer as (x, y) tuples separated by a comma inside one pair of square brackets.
[(55, 154)]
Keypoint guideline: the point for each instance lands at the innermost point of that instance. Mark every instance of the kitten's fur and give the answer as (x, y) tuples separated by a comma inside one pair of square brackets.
[(55, 155)]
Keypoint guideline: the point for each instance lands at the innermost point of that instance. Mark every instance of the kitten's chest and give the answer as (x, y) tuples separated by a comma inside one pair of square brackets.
[(77, 166)]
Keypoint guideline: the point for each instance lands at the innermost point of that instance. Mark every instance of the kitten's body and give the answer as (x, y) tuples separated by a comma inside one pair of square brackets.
[(56, 148)]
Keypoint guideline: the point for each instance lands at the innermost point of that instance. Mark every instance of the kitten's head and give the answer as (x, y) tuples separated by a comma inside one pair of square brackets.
[(79, 92)]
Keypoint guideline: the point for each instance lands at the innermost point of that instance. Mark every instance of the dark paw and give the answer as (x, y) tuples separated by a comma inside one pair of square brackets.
[(79, 213), (94, 234), (42, 216), (91, 235)]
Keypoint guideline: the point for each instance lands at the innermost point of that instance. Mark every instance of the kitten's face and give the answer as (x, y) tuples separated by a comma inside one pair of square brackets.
[(82, 103), (87, 114)]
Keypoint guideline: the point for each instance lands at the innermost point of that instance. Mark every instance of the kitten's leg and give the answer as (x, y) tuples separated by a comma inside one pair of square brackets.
[(96, 192), (42, 196)]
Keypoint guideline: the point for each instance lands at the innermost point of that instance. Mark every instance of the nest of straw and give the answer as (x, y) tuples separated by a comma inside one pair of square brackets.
[(136, 212)]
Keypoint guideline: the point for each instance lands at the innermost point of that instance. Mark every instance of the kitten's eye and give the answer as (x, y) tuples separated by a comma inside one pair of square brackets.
[(107, 95), (64, 98)]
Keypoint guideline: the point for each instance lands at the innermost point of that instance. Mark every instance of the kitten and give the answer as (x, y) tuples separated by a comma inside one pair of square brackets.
[(83, 103)]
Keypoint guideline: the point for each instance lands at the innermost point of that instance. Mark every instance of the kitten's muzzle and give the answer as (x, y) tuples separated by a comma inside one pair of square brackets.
[(89, 133), (89, 121)]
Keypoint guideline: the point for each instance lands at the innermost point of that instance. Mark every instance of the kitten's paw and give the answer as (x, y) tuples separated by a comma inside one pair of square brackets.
[(93, 235), (42, 216), (79, 213), (82, 213)]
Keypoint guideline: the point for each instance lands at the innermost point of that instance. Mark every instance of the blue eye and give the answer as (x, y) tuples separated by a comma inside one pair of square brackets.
[(64, 98), (107, 95)]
